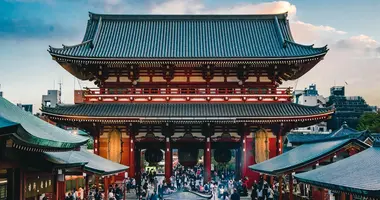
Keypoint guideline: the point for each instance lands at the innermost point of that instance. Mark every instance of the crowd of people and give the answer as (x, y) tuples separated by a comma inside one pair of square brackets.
[(264, 191), (223, 186)]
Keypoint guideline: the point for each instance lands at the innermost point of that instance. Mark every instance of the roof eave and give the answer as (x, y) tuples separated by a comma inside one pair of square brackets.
[(218, 59), (374, 193), (294, 118)]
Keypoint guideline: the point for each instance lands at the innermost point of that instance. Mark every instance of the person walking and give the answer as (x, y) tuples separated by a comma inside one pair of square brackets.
[(235, 195)]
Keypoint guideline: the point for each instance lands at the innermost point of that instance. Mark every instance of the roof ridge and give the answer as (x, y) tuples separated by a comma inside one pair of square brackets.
[(96, 16), (279, 32), (308, 46)]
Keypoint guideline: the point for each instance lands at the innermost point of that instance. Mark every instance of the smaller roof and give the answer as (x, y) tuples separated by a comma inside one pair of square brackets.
[(189, 111), (305, 138), (358, 174), (34, 132), (302, 156), (95, 163), (343, 131)]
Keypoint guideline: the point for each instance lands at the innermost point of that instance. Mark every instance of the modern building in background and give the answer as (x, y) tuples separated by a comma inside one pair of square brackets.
[(26, 107), (310, 97), (52, 98), (348, 109)]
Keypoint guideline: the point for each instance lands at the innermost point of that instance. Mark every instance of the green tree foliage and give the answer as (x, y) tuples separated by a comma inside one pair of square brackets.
[(90, 143), (370, 122)]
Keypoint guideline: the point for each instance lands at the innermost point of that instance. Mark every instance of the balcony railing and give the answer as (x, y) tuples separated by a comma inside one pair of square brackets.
[(186, 94)]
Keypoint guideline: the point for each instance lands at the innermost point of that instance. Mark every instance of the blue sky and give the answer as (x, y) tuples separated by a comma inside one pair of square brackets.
[(27, 27)]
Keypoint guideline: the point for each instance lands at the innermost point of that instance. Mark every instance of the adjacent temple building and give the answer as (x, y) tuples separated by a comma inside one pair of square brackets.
[(187, 82)]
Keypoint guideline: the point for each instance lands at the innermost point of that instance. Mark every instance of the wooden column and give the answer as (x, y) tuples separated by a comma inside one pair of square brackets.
[(15, 183), (351, 197), (207, 160), (132, 162), (291, 187), (106, 186), (244, 156), (168, 160), (86, 186), (61, 190), (280, 187), (342, 196)]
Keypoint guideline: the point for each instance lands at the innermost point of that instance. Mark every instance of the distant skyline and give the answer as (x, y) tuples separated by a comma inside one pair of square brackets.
[(27, 27)]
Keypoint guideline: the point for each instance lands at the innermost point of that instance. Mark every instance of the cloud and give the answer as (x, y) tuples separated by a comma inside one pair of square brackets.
[(352, 59), (31, 28)]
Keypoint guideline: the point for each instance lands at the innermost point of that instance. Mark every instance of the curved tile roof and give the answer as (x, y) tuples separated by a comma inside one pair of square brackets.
[(188, 37), (36, 132), (343, 131), (358, 174), (194, 110), (94, 163), (301, 156)]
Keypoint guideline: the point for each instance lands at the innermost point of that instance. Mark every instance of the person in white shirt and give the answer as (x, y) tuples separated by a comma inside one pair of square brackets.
[(270, 194)]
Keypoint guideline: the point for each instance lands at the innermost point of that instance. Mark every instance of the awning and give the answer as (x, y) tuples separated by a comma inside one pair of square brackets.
[(358, 174), (30, 131), (303, 155), (95, 163)]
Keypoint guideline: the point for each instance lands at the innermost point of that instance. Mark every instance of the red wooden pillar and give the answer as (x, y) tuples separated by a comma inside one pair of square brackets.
[(106, 186), (351, 197), (97, 181), (207, 160), (244, 156), (291, 187), (168, 160), (61, 190), (280, 187), (132, 162), (342, 196)]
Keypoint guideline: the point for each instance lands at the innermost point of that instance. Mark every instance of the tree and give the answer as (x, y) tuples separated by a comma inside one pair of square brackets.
[(370, 122)]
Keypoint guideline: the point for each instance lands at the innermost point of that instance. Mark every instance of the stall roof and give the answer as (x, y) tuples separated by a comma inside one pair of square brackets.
[(95, 163), (34, 132), (358, 174), (303, 155)]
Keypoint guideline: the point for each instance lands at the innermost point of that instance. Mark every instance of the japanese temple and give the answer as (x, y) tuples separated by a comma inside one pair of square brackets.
[(35, 156), (187, 82)]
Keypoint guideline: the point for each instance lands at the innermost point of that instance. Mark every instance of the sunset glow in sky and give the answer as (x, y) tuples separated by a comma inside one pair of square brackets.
[(350, 28)]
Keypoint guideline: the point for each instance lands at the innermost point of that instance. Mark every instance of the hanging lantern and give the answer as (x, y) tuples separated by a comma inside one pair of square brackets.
[(153, 156), (188, 157), (222, 155)]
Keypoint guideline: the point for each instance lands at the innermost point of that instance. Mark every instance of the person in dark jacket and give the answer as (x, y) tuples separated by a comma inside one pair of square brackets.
[(235, 195)]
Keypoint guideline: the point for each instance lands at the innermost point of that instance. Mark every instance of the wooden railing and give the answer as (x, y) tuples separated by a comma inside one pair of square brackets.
[(186, 94)]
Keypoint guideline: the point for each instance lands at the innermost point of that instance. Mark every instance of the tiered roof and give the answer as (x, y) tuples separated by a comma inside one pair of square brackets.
[(141, 37), (260, 112), (30, 132), (358, 174)]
